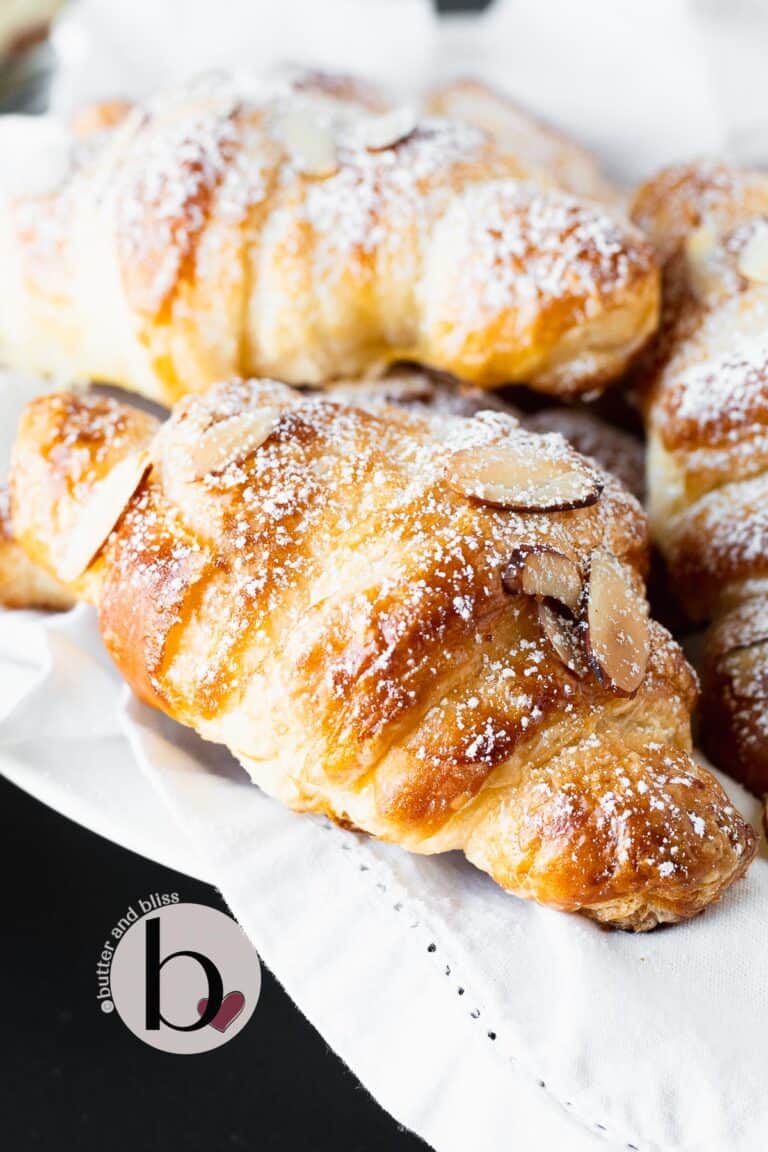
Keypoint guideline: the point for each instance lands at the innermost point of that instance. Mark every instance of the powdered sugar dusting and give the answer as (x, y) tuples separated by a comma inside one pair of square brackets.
[(176, 163), (721, 399)]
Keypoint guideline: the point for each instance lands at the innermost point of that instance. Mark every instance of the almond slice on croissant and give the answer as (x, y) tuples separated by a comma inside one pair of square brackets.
[(544, 572), (96, 518), (229, 441), (521, 476), (753, 258), (617, 624), (377, 133), (565, 635), (309, 141)]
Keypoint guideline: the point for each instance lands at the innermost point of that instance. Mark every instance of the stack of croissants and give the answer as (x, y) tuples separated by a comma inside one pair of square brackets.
[(389, 546)]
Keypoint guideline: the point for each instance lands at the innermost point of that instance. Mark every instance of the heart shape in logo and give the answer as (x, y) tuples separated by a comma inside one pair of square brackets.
[(231, 1007)]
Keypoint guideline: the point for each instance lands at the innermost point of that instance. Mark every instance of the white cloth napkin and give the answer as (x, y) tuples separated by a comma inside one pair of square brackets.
[(478, 1021)]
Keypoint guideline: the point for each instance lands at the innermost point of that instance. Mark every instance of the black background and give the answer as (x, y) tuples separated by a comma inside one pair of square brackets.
[(74, 1079)]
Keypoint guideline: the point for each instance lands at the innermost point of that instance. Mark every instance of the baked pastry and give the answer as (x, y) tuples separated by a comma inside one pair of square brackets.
[(203, 235), (22, 583), (705, 388), (430, 627), (524, 135)]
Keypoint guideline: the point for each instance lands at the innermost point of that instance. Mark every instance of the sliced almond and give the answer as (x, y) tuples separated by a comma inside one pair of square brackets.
[(521, 477), (99, 514), (700, 248), (747, 670), (617, 624), (753, 258), (565, 635), (230, 441), (376, 133), (404, 388), (700, 243), (309, 140), (544, 572)]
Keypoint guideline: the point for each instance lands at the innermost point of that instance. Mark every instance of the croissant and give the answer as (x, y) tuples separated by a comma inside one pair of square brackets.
[(705, 392), (203, 235), (430, 627)]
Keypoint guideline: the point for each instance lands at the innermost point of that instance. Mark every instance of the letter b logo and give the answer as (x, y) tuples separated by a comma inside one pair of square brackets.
[(185, 978)]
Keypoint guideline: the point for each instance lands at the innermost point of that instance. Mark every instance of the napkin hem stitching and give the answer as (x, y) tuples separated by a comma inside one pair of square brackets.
[(344, 840)]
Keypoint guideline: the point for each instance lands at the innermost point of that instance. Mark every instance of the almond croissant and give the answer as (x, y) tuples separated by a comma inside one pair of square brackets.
[(202, 236), (430, 627), (705, 388)]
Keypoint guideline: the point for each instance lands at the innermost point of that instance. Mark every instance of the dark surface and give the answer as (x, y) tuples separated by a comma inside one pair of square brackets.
[(462, 5), (74, 1079)]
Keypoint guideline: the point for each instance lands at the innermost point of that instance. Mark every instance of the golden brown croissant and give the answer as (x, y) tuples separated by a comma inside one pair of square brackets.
[(203, 235), (706, 398), (430, 627)]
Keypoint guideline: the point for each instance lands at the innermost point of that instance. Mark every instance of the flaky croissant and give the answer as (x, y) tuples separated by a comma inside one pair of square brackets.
[(430, 627), (705, 384), (203, 235)]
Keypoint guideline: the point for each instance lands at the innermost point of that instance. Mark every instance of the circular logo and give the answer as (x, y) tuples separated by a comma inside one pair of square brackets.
[(185, 978)]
